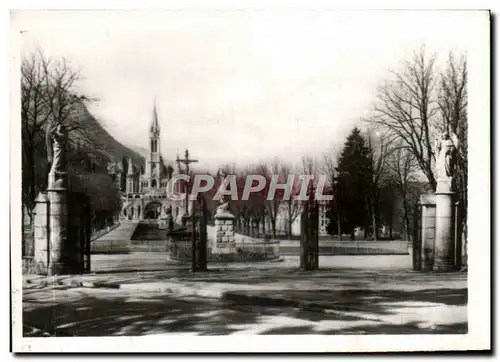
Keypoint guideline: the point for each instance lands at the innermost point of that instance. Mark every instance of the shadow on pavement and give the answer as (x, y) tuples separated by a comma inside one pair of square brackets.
[(93, 316), (108, 313)]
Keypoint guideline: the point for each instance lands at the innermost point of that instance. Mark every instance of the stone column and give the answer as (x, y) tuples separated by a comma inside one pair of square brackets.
[(58, 223), (41, 234), (225, 241), (444, 244), (428, 204)]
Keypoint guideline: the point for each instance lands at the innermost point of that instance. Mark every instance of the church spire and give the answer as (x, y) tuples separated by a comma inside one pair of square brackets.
[(155, 127), (130, 167)]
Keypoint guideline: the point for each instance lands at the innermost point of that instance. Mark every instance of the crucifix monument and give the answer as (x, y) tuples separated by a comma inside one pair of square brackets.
[(186, 161)]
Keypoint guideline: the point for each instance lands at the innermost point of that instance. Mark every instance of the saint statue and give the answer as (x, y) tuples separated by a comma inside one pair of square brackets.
[(223, 205), (57, 139), (446, 150)]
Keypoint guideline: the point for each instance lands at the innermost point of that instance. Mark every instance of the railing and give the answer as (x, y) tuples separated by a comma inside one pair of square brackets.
[(97, 234)]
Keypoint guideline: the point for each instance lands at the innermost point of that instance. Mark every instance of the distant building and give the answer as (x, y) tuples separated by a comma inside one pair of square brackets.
[(283, 217), (143, 186)]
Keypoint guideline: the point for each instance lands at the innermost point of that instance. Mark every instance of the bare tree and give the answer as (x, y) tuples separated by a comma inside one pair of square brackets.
[(48, 98), (408, 110), (279, 203), (309, 165), (378, 145), (34, 116), (453, 101), (260, 210), (330, 168), (251, 212), (273, 205), (291, 204), (417, 104), (402, 167)]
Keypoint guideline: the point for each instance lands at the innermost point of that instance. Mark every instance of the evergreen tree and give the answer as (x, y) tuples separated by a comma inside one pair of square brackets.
[(355, 172)]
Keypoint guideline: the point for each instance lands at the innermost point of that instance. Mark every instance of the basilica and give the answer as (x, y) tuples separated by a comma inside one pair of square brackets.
[(143, 186)]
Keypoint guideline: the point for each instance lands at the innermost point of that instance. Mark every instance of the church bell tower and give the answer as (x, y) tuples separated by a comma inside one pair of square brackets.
[(154, 151)]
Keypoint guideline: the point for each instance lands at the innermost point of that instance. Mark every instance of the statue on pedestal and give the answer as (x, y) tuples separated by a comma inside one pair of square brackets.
[(56, 140), (223, 207), (446, 150)]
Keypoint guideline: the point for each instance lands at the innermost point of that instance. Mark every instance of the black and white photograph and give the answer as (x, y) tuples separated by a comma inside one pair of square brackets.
[(250, 175)]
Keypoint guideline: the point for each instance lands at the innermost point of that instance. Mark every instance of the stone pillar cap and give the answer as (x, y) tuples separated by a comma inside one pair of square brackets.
[(224, 215), (428, 199), (57, 189)]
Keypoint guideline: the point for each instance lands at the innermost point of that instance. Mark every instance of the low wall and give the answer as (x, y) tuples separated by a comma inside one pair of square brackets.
[(248, 252), (352, 248)]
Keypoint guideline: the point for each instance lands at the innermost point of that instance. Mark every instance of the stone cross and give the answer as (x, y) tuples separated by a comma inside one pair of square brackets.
[(186, 161)]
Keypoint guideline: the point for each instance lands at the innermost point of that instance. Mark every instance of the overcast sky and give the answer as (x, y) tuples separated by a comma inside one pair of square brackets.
[(238, 86)]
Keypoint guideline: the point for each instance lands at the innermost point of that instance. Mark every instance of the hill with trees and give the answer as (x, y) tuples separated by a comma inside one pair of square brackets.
[(49, 97)]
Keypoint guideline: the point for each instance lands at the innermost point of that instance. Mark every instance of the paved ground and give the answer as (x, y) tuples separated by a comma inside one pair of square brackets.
[(376, 294), (284, 301), (160, 261), (101, 312)]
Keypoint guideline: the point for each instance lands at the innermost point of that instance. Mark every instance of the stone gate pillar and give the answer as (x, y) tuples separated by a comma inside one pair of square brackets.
[(58, 222), (428, 231), (444, 259), (41, 233)]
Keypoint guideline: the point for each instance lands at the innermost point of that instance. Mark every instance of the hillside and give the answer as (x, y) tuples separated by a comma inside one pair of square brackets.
[(107, 145)]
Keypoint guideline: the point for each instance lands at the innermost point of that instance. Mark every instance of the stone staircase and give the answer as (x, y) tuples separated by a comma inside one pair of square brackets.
[(117, 241)]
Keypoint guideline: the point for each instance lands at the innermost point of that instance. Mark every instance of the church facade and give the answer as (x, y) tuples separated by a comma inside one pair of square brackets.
[(143, 186)]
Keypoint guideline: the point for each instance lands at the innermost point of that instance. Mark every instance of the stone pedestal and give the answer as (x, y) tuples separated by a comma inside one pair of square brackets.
[(41, 233), (225, 242), (162, 221), (58, 224), (428, 230), (444, 243)]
